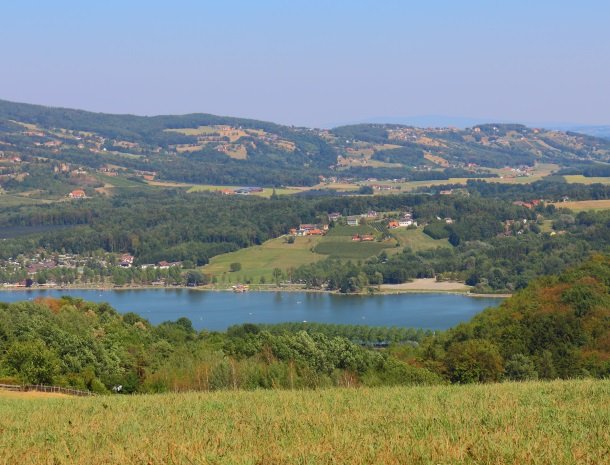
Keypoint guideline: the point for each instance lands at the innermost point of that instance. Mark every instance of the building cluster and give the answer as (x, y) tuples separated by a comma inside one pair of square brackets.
[(162, 265), (310, 230), (405, 220)]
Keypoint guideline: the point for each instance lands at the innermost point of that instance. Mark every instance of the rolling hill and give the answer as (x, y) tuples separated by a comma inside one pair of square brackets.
[(46, 150)]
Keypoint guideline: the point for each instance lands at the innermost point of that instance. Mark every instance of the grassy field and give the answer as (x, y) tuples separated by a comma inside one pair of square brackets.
[(349, 231), (583, 205), (558, 423), (348, 249), (579, 179), (266, 192), (417, 240), (9, 200), (260, 260)]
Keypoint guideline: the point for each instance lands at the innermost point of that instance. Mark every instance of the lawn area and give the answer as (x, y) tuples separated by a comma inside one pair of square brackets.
[(580, 179), (260, 260), (584, 205), (417, 240), (529, 423)]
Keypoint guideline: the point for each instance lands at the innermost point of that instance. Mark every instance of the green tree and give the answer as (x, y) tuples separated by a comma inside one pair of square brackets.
[(474, 360), (33, 362), (520, 368)]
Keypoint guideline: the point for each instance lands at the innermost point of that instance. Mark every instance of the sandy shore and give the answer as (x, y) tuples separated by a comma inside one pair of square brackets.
[(427, 284)]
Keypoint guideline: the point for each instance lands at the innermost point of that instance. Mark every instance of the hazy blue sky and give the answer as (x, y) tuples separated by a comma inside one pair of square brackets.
[(312, 62)]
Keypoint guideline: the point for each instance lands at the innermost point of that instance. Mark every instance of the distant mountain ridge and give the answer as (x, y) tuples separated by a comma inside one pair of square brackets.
[(462, 122), (209, 149)]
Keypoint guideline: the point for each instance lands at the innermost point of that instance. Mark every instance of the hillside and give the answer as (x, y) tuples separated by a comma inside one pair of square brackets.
[(559, 423), (51, 151)]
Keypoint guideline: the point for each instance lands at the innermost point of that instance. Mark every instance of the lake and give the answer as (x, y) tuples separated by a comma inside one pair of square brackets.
[(219, 310)]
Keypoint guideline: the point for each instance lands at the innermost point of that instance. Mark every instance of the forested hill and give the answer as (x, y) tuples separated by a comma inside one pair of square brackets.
[(559, 327), (209, 149)]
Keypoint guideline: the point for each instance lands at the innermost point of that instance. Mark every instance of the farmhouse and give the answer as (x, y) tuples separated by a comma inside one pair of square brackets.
[(370, 214), (353, 221), (363, 238), (77, 194), (164, 265), (334, 216), (126, 260), (309, 230)]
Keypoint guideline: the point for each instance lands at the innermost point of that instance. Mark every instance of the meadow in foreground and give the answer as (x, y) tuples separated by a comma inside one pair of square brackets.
[(559, 422)]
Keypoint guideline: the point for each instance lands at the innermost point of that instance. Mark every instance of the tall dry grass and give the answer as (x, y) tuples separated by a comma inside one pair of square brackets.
[(530, 423)]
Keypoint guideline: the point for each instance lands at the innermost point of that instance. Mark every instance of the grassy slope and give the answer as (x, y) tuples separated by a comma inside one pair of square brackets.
[(584, 205), (262, 259), (417, 240), (529, 423)]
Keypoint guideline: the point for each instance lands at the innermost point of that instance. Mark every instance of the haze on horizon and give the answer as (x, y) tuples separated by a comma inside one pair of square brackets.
[(313, 63)]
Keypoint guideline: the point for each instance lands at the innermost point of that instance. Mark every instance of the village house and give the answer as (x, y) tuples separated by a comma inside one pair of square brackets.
[(393, 224), (165, 265), (370, 214), (77, 194), (363, 238), (334, 216), (309, 230), (126, 260), (353, 221)]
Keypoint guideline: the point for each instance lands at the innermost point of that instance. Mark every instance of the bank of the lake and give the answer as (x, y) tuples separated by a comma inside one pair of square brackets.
[(219, 310)]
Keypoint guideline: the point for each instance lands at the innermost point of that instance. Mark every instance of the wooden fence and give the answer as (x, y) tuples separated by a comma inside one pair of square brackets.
[(43, 388)]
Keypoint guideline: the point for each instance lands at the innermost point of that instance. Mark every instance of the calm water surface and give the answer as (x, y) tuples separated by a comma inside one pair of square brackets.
[(219, 310)]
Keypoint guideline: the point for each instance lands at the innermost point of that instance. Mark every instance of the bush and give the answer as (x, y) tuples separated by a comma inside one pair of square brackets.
[(234, 267)]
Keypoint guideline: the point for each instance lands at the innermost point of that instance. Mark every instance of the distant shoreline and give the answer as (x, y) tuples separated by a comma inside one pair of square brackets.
[(257, 288)]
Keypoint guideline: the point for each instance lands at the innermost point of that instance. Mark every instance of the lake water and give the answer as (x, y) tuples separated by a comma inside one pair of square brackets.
[(219, 310)]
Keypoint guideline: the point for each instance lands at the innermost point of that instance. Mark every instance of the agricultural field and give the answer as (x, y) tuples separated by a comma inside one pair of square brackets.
[(417, 240), (559, 423), (584, 205), (348, 231), (338, 243), (266, 192), (259, 261), (580, 179)]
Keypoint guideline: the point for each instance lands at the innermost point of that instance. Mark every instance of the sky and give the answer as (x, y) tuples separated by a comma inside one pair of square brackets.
[(313, 63)]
